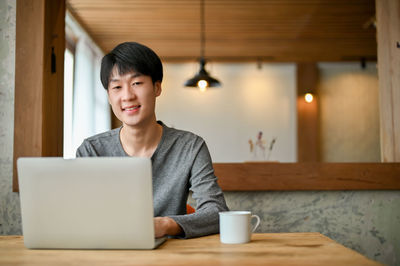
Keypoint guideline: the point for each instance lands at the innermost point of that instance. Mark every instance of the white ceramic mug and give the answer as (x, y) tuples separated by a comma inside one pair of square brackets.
[(235, 226)]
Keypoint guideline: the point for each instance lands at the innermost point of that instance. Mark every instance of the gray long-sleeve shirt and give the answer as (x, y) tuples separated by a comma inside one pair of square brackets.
[(180, 163)]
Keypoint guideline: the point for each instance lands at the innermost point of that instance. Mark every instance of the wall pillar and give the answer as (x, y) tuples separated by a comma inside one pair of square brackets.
[(388, 37), (307, 113), (39, 79)]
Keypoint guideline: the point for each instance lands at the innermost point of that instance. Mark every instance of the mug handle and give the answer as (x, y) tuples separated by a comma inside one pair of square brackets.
[(257, 224)]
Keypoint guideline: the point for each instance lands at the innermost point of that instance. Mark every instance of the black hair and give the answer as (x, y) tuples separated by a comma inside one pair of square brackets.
[(131, 56)]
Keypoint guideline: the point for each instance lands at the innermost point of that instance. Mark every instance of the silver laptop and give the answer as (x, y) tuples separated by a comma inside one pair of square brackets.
[(87, 203)]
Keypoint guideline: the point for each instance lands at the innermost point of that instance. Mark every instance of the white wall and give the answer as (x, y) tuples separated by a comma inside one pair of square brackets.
[(250, 100), (349, 112)]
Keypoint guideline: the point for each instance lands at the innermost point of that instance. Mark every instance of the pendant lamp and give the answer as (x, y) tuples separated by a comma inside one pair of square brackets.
[(202, 79)]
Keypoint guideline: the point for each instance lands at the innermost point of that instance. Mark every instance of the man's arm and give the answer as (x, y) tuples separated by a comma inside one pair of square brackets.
[(208, 195)]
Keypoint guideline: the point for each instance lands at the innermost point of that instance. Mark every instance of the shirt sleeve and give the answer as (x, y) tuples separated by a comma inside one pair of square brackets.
[(208, 195), (85, 150)]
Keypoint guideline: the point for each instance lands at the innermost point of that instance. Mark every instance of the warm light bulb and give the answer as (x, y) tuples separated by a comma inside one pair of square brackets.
[(308, 97), (202, 84)]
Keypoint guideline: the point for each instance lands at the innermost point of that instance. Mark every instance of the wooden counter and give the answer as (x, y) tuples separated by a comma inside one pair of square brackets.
[(263, 176), (271, 249)]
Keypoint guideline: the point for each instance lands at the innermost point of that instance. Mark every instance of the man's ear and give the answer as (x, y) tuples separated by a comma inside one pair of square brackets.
[(157, 88)]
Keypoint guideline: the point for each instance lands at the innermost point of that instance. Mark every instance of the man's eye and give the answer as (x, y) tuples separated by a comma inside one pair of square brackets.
[(136, 83), (116, 87)]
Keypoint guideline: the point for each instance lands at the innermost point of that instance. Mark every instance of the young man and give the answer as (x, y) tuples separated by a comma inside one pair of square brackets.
[(132, 74)]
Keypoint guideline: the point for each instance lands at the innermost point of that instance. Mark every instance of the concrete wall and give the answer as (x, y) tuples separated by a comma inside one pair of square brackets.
[(10, 218), (367, 221)]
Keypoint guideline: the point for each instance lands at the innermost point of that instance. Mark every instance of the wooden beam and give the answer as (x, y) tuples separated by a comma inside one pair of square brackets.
[(388, 29), (307, 176), (39, 74)]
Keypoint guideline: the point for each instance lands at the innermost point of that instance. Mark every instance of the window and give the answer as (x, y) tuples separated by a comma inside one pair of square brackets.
[(86, 108), (68, 103)]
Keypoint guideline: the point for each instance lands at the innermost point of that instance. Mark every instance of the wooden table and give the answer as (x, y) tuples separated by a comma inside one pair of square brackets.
[(271, 249)]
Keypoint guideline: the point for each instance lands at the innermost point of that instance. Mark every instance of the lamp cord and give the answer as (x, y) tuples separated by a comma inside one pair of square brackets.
[(202, 28)]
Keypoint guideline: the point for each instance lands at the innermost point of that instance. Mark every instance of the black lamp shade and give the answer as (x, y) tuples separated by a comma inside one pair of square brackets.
[(202, 75)]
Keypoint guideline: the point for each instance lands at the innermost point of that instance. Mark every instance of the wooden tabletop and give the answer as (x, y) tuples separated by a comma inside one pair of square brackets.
[(271, 249)]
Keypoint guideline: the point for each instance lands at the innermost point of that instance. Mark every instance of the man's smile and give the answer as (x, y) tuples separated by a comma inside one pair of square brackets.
[(131, 108)]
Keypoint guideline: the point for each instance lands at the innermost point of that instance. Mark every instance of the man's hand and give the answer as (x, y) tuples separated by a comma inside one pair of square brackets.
[(166, 226)]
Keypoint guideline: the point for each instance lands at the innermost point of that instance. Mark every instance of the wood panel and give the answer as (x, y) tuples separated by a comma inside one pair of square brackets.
[(307, 113), (28, 81), (388, 24), (286, 30), (307, 176), (38, 116), (53, 79)]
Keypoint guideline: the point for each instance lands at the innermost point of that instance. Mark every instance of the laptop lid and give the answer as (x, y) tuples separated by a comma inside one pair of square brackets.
[(86, 203)]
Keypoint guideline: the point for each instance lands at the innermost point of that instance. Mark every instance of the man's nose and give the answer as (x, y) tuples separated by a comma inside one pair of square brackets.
[(128, 93)]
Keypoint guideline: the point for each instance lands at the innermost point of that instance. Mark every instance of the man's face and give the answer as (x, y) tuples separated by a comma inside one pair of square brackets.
[(132, 97)]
